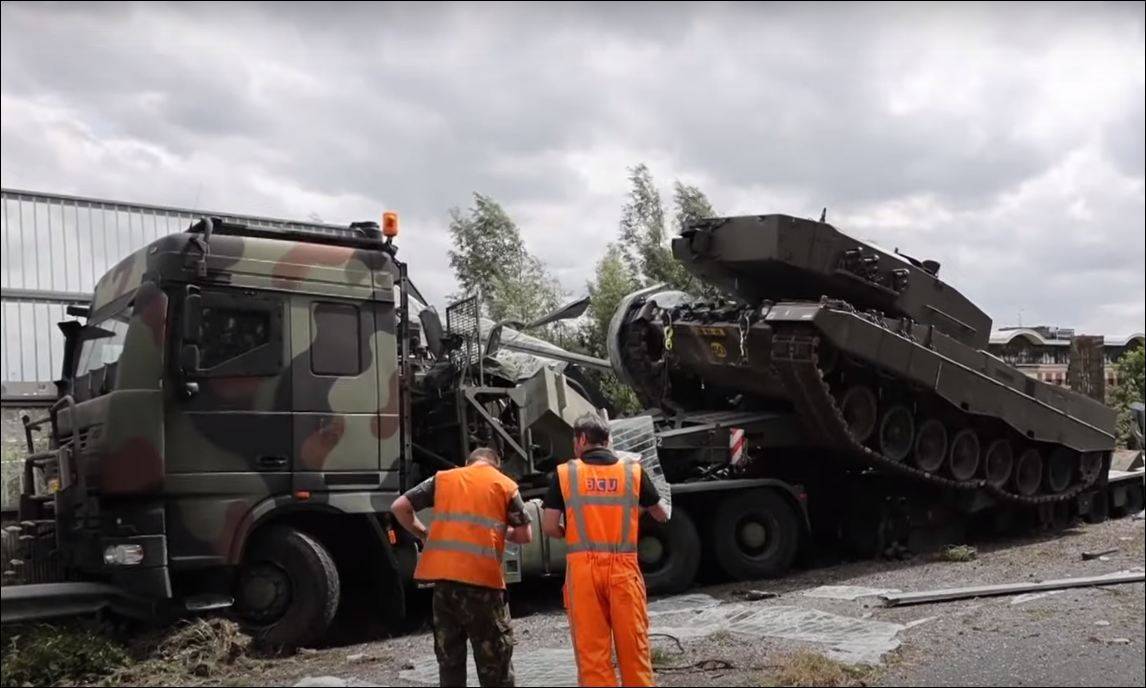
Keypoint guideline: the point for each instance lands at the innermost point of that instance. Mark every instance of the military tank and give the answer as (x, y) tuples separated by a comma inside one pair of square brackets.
[(884, 363)]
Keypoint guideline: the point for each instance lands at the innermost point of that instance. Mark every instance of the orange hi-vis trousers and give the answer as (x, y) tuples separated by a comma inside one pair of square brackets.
[(606, 603)]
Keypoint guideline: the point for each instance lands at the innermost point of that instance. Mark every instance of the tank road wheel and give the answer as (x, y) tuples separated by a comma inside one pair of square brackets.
[(755, 534), (999, 462), (930, 445), (1028, 472), (669, 553), (963, 459), (858, 407), (1059, 469), (896, 431), (288, 589), (1089, 466)]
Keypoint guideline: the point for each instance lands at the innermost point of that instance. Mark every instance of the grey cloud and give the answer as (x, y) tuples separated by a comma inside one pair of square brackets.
[(415, 106)]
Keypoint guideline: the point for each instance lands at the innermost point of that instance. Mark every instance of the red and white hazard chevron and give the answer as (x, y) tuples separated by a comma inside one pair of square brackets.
[(736, 444)]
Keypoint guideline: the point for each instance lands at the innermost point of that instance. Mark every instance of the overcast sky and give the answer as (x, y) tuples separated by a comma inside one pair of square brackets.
[(1005, 141)]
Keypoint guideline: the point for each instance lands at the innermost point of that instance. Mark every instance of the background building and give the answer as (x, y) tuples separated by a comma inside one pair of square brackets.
[(1043, 352)]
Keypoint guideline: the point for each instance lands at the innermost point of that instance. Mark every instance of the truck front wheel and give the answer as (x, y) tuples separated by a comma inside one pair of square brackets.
[(288, 588), (669, 553), (755, 534)]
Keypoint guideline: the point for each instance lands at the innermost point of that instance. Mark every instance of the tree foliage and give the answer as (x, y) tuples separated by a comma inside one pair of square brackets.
[(489, 256), (1130, 388), (644, 239)]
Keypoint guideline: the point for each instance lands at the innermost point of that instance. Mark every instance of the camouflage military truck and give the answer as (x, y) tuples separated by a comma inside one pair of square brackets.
[(237, 411)]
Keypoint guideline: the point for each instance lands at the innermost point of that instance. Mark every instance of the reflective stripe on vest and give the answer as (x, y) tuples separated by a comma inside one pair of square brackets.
[(464, 547), (575, 503)]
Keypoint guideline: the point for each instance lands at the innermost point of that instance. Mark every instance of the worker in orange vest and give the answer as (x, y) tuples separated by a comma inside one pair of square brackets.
[(600, 498), (476, 509)]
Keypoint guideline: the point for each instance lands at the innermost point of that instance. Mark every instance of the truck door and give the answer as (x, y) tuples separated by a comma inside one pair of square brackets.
[(228, 423), (230, 420), (336, 393)]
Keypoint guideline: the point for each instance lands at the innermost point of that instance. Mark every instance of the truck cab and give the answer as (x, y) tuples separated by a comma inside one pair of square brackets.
[(232, 396)]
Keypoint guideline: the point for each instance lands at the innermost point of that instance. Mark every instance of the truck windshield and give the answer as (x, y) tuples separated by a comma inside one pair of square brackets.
[(102, 348)]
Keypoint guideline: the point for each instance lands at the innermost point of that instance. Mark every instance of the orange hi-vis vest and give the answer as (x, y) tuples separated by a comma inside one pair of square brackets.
[(602, 507), (467, 536)]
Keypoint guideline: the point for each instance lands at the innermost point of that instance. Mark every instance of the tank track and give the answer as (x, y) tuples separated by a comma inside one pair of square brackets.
[(796, 358)]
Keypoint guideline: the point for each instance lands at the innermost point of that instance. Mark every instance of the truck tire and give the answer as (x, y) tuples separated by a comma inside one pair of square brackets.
[(669, 552), (288, 589), (755, 534)]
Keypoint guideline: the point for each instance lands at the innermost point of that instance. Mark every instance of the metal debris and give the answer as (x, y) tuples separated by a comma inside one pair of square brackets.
[(949, 594), (1032, 596), (1087, 556), (846, 592), (757, 595)]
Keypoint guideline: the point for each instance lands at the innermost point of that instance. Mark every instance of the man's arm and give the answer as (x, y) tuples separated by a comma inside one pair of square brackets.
[(405, 507), (403, 511), (551, 523), (650, 499), (658, 511), (520, 530), (553, 508)]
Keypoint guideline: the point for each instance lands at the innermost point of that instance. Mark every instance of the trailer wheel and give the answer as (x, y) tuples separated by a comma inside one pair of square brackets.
[(288, 589), (755, 534), (1134, 499), (669, 553), (1099, 507)]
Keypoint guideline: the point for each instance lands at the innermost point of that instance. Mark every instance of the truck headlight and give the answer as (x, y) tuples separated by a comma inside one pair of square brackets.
[(123, 555)]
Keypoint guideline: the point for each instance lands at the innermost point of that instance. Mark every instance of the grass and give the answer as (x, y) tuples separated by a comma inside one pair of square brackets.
[(89, 653), (660, 656), (959, 553), (720, 636), (47, 654), (807, 668)]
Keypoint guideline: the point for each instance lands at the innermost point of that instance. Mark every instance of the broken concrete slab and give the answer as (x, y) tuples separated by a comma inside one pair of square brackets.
[(851, 640), (544, 667), (332, 682), (682, 603)]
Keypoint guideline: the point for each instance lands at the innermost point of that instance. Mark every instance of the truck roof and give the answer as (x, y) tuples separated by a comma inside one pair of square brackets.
[(354, 265)]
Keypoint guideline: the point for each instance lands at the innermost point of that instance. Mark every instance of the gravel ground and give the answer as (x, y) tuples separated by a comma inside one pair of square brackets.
[(1090, 636)]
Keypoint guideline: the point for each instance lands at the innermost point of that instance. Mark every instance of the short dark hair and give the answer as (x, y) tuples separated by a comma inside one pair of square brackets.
[(593, 428), (484, 454)]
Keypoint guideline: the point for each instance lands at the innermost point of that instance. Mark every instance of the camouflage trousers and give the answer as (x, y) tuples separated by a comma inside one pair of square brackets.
[(480, 614)]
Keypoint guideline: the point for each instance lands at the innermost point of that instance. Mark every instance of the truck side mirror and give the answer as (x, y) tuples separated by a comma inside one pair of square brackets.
[(192, 315)]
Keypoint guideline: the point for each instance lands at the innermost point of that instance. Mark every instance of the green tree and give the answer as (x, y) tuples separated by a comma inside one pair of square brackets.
[(1130, 388), (611, 282), (643, 238), (689, 205), (489, 255)]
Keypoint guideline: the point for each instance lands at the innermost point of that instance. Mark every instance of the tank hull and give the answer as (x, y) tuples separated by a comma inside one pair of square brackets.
[(888, 388)]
